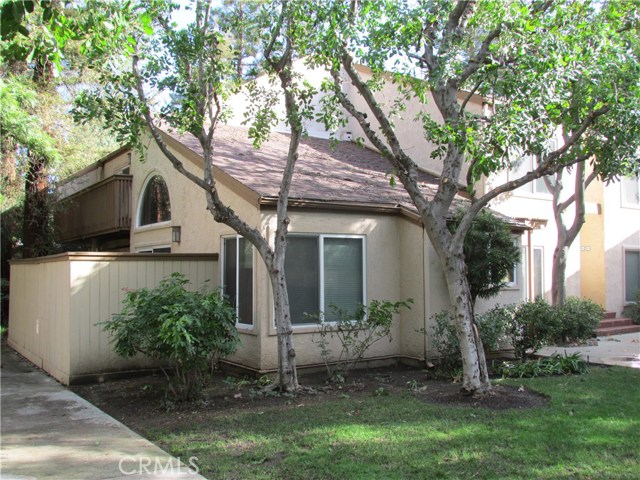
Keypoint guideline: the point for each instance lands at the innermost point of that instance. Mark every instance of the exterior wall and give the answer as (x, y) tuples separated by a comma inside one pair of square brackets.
[(383, 271), (409, 131), (536, 209), (621, 232), (61, 333), (592, 246), (239, 103), (199, 232), (413, 274)]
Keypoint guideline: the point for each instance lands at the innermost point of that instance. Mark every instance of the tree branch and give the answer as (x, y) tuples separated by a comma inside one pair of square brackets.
[(406, 168), (564, 205)]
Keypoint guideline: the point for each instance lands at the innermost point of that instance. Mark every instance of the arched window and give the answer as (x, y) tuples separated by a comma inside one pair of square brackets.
[(155, 206)]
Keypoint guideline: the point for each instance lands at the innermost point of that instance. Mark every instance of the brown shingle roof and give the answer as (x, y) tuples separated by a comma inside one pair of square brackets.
[(344, 173)]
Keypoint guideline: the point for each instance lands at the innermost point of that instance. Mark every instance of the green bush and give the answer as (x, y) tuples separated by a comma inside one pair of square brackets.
[(633, 310), (445, 340), (578, 320), (492, 325), (534, 324), (544, 367), (182, 329)]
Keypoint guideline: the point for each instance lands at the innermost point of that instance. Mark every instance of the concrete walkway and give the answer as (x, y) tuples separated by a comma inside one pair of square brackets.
[(622, 350), (49, 432)]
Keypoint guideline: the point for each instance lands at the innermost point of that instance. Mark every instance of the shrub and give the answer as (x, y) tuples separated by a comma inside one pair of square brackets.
[(179, 328), (492, 326), (578, 319), (544, 367), (534, 324), (633, 310), (356, 332), (445, 339)]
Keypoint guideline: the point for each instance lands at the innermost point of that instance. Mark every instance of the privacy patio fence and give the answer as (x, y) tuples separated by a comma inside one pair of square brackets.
[(57, 304)]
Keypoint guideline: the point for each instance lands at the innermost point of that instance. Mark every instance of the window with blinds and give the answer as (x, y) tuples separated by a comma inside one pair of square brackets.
[(631, 274), (237, 277), (324, 271)]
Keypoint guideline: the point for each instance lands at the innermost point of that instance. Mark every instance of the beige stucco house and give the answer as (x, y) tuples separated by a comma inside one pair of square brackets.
[(353, 236)]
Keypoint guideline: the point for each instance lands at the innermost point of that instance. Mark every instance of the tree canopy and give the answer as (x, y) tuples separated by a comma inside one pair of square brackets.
[(544, 68)]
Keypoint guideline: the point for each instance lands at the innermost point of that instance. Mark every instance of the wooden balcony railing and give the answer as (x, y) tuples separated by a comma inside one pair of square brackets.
[(101, 209)]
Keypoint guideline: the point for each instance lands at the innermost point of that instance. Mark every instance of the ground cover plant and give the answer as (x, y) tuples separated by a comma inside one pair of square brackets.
[(544, 367), (399, 424)]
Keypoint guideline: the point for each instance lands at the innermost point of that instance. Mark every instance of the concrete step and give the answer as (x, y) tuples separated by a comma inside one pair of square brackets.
[(617, 330), (615, 322)]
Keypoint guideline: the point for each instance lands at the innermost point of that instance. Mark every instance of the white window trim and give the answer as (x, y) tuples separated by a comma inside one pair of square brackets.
[(516, 267), (626, 249), (150, 226), (542, 272), (623, 203), (150, 248), (239, 325), (321, 237), (528, 189)]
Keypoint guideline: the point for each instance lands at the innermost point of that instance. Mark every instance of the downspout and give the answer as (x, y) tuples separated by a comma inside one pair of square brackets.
[(424, 288), (529, 266)]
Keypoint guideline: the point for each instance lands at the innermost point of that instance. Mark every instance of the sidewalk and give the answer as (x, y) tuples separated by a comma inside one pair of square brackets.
[(622, 350), (49, 432)]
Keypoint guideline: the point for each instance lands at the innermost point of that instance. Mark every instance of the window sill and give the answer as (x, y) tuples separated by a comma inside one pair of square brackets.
[(630, 206), (152, 226), (246, 329)]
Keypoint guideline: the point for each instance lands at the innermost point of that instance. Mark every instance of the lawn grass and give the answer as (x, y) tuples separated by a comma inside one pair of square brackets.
[(589, 430)]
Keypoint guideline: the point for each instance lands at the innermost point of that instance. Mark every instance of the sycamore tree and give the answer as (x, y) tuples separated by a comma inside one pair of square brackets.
[(141, 52), (544, 67)]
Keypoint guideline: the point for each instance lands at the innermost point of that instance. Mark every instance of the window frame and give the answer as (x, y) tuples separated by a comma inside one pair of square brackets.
[(514, 285), (623, 202), (321, 290), (152, 249), (530, 189), (143, 191), (240, 325), (625, 250)]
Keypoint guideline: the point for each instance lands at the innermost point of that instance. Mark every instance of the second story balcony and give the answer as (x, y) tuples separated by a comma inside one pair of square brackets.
[(101, 209)]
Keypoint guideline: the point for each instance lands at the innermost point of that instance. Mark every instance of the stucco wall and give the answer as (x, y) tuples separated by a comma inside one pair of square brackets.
[(199, 232), (537, 207), (621, 232), (408, 129), (383, 270)]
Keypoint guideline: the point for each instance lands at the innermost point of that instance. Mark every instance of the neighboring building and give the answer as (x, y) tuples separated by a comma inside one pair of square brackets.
[(610, 243)]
